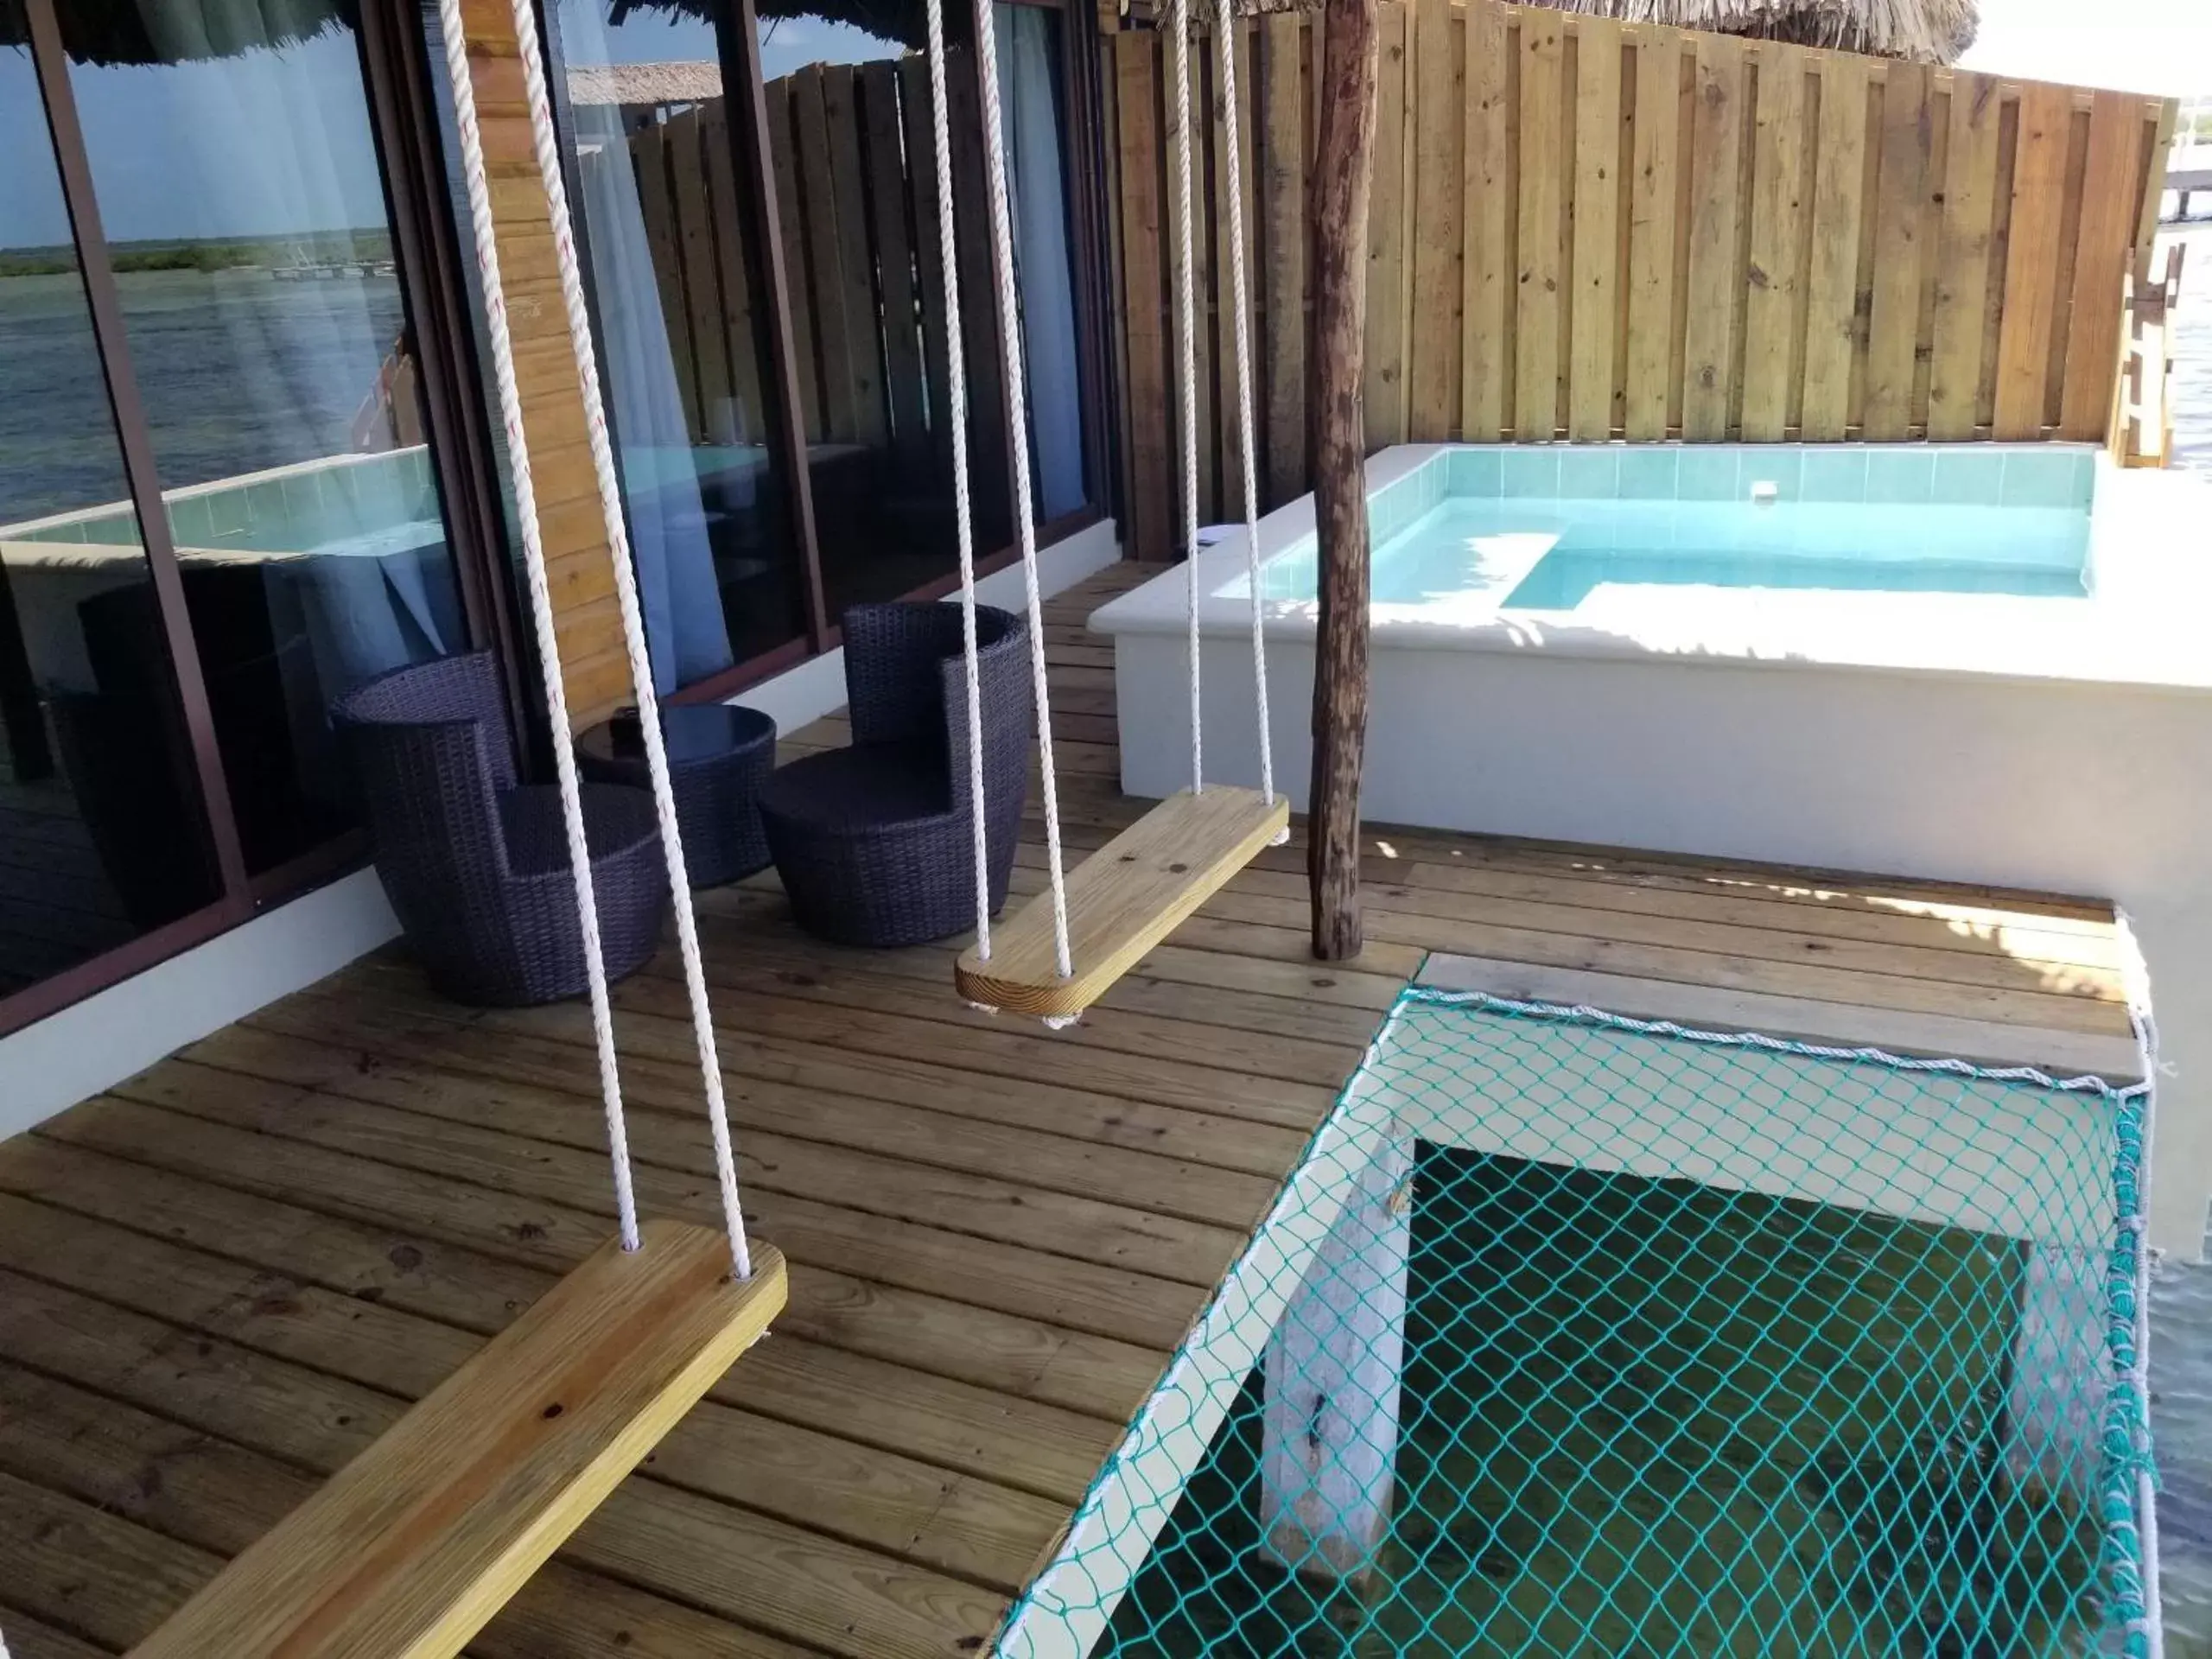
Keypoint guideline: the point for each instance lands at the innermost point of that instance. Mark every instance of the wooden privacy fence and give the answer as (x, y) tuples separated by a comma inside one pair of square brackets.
[(1589, 229), (856, 185)]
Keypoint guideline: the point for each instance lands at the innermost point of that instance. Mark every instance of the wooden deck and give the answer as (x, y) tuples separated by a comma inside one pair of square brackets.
[(220, 1280)]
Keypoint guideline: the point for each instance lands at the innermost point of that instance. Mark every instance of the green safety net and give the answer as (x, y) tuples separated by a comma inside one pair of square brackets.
[(1579, 1335)]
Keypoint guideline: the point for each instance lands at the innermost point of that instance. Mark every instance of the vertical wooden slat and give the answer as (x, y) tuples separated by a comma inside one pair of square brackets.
[(1716, 280), (1432, 369), (2030, 294), (702, 294), (894, 254), (739, 324), (1388, 212), (1930, 240), (1183, 326), (856, 266), (1772, 298), (1970, 186), (1597, 230), (1538, 243), (2070, 227), (1893, 321), (1205, 282), (1230, 188), (928, 245), (1831, 300), (791, 219), (1151, 480), (649, 149), (1282, 237), (2104, 251), (1652, 229), (841, 376), (1490, 209)]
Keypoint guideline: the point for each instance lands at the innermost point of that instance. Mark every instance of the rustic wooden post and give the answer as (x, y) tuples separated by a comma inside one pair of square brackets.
[(1341, 174)]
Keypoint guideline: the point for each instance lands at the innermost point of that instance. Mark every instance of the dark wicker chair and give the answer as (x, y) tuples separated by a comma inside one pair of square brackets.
[(873, 841), (477, 865)]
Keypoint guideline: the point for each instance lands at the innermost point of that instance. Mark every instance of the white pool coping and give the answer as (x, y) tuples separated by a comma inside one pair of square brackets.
[(2147, 621)]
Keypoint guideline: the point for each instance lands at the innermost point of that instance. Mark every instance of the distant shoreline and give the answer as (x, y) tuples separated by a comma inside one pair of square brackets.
[(366, 246)]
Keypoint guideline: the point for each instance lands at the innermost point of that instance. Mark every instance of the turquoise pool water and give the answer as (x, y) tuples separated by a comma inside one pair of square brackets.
[(1551, 554), (1535, 528)]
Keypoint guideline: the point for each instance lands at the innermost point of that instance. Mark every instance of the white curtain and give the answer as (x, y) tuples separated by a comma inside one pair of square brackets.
[(1029, 87), (668, 549)]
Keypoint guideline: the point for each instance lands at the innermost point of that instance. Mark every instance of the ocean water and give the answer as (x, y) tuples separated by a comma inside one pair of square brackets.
[(238, 373)]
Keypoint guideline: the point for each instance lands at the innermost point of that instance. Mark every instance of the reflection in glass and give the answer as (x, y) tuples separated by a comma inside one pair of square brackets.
[(674, 285), (239, 189), (853, 154), (1033, 132), (101, 832)]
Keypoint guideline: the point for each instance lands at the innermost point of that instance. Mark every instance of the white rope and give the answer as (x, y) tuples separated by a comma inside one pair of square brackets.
[(1225, 38), (1186, 368), (1018, 423), (956, 412), (541, 602), (634, 628)]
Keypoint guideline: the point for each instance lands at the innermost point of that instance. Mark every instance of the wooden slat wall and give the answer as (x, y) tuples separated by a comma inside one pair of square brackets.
[(594, 669), (1875, 250)]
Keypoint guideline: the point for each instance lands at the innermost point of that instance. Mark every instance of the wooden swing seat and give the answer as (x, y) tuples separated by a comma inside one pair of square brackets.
[(407, 1551), (1122, 900)]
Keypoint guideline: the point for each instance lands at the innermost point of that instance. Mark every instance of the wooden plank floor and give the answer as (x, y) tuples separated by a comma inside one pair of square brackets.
[(220, 1280)]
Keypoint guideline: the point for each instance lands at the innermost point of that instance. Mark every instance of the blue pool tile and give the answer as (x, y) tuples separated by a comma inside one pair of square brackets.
[(1475, 472), (1530, 470), (1591, 474), (1647, 471), (1903, 477), (2085, 476), (2041, 476), (1837, 474), (1969, 478), (1706, 473), (1780, 465)]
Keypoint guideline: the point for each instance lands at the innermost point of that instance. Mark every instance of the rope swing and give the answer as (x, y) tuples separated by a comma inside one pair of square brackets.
[(1132, 892), (417, 1542)]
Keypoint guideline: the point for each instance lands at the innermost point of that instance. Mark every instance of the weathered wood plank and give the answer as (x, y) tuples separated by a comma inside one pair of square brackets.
[(1653, 227), (1598, 118), (878, 95), (2031, 291), (1894, 324), (737, 324), (2104, 250), (703, 289), (1781, 169), (1152, 488), (855, 258), (1962, 266), (1832, 321), (791, 218), (1540, 275), (1490, 211), (1716, 277), (664, 243), (1437, 99), (1390, 212), (1282, 239)]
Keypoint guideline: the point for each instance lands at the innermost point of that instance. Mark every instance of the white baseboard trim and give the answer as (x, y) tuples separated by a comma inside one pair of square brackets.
[(801, 696), (93, 1045)]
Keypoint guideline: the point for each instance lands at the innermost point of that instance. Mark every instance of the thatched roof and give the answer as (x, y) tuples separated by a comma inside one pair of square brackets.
[(684, 82), (1923, 31), (160, 31)]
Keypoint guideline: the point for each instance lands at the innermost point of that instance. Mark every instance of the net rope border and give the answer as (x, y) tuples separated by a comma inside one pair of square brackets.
[(2129, 1484)]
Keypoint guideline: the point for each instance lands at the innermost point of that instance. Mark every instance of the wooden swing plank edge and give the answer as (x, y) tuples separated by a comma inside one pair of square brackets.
[(1122, 900), (408, 1551)]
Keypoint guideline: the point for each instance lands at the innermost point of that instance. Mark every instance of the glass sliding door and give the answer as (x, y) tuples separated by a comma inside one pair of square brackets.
[(852, 145), (103, 834), (240, 191), (677, 286)]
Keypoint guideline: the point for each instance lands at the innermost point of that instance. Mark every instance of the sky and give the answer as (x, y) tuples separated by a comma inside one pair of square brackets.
[(2138, 46)]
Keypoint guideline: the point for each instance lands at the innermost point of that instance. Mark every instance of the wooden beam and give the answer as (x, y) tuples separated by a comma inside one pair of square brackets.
[(1341, 179)]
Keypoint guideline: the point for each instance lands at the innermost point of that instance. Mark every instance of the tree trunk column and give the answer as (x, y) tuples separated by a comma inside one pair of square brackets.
[(1341, 175)]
